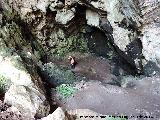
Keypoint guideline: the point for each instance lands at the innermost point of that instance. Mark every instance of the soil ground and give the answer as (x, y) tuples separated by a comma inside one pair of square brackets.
[(142, 99)]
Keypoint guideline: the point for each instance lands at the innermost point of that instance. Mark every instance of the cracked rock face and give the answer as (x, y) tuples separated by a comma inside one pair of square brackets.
[(131, 26), (64, 16), (26, 92), (30, 29), (151, 30)]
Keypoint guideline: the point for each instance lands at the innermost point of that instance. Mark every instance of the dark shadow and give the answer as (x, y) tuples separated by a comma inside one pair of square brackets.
[(151, 69), (97, 42)]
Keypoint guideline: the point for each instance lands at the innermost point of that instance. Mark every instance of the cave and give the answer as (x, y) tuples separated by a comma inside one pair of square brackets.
[(115, 53)]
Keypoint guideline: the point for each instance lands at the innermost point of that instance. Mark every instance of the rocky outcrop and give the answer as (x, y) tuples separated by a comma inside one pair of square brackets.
[(120, 21), (78, 114), (58, 114), (150, 33), (18, 66), (123, 22), (30, 31), (46, 16)]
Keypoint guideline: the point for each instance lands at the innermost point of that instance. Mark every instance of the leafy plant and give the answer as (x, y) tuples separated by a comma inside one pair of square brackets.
[(58, 75), (65, 90), (4, 84), (72, 43)]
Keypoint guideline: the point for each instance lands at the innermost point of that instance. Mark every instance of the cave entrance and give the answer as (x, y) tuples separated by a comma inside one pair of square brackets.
[(101, 45), (98, 43)]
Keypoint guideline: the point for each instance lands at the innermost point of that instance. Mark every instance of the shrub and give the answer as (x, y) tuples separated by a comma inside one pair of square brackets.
[(65, 90), (57, 75), (76, 43), (4, 84)]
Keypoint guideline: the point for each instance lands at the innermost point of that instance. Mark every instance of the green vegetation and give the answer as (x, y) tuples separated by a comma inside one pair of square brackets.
[(65, 90), (58, 75), (110, 55), (75, 43), (4, 84)]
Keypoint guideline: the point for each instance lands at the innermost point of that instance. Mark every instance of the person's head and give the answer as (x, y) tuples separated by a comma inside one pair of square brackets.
[(70, 57)]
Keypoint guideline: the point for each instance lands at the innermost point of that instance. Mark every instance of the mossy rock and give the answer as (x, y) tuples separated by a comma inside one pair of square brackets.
[(73, 43)]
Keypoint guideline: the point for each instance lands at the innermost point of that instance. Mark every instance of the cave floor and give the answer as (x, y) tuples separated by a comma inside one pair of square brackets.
[(97, 95)]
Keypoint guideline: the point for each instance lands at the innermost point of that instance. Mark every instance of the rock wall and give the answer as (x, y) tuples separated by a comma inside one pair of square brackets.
[(150, 37), (30, 30), (18, 65), (58, 26)]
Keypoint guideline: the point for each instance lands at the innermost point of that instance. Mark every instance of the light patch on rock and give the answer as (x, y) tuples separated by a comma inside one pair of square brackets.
[(92, 18), (25, 99), (112, 7), (17, 76), (58, 114), (24, 11), (151, 43), (64, 16), (42, 5), (122, 37)]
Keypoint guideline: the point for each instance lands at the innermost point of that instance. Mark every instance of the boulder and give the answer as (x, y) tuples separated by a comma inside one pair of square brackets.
[(42, 5), (58, 114), (77, 114), (26, 91), (28, 100)]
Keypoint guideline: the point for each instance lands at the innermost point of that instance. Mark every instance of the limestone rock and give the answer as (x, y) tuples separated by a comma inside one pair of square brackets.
[(151, 43), (77, 114), (42, 5), (22, 7), (23, 94), (92, 18), (58, 114), (55, 5), (25, 99), (151, 30), (64, 16), (118, 19), (121, 20), (26, 91)]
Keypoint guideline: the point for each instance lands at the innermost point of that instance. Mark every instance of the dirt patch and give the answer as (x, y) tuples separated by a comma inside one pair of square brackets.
[(114, 100), (90, 67), (142, 99)]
